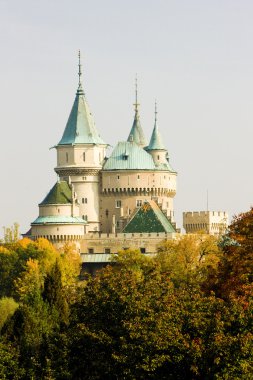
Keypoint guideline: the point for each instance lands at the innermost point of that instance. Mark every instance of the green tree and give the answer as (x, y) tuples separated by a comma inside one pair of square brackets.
[(234, 276), (189, 259), (7, 309), (11, 234), (54, 293), (132, 322)]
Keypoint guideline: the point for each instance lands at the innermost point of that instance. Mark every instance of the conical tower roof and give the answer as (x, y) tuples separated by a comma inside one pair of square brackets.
[(80, 128), (60, 193), (156, 141), (136, 134)]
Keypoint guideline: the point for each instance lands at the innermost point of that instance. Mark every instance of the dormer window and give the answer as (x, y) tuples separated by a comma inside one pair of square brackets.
[(125, 156)]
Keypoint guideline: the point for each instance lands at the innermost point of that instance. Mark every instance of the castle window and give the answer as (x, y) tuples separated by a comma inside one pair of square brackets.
[(91, 250), (107, 213), (118, 204), (85, 217), (138, 203), (117, 224), (118, 176), (85, 200), (158, 157), (82, 200), (67, 157), (138, 177), (143, 250), (83, 156), (108, 250)]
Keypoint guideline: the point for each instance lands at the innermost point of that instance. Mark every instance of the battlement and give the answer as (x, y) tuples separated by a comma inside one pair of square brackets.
[(211, 222), (157, 190), (122, 235), (113, 243), (194, 214)]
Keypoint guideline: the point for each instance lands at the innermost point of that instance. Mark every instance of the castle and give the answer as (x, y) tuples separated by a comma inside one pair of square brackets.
[(104, 204)]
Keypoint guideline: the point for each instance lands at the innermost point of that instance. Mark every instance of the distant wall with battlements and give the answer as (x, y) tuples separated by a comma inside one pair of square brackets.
[(211, 222)]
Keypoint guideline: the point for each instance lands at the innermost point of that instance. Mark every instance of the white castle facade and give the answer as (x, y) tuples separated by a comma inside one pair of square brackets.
[(96, 195), (104, 204)]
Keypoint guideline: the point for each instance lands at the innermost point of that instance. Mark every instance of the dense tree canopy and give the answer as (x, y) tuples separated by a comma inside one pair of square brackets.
[(185, 313)]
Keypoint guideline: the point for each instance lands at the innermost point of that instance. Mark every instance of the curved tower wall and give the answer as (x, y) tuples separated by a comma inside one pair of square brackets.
[(124, 191), (81, 166)]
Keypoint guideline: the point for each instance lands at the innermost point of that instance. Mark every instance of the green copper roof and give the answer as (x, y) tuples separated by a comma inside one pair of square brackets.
[(128, 155), (59, 219), (165, 166), (149, 218), (136, 134), (80, 128), (60, 193), (156, 142)]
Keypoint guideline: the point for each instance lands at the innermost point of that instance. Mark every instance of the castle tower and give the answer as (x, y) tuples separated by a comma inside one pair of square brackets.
[(58, 219), (136, 134), (80, 156), (156, 146), (159, 153), (132, 175)]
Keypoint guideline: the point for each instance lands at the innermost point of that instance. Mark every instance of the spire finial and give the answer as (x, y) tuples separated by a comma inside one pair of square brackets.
[(79, 67), (136, 104), (80, 88), (155, 111)]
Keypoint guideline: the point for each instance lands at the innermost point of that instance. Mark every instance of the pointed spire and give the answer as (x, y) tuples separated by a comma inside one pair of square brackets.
[(80, 128), (136, 134), (155, 112), (136, 104), (156, 142), (80, 87)]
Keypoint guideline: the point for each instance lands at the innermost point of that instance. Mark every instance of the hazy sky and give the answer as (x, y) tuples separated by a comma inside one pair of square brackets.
[(194, 57)]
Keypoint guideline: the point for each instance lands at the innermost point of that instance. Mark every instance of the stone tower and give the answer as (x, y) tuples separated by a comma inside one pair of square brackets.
[(135, 173), (80, 156)]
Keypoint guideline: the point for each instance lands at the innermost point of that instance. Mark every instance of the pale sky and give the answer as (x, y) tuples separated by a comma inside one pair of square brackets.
[(194, 57)]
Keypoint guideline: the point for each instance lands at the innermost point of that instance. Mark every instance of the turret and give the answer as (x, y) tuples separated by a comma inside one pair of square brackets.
[(80, 155), (156, 146), (136, 134)]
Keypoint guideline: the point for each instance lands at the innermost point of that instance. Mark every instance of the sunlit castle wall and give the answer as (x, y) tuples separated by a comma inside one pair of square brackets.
[(124, 191)]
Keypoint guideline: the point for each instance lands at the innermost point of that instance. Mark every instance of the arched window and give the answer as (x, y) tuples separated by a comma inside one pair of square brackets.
[(83, 156)]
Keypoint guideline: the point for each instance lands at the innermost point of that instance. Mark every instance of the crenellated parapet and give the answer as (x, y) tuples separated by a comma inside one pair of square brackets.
[(153, 191), (113, 243), (211, 222)]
